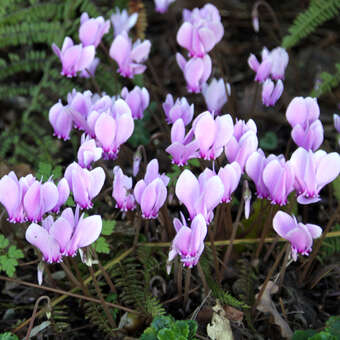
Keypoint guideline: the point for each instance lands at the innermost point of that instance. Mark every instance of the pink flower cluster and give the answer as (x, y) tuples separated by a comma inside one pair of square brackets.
[(273, 65), (201, 31)]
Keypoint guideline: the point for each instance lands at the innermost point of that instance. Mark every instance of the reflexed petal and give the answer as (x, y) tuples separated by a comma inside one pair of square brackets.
[(105, 130), (283, 223), (62, 231), (184, 35), (97, 179)]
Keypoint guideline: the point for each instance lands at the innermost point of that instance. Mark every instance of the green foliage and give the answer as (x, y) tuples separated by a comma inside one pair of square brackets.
[(330, 246), (8, 336), (317, 13), (45, 171), (9, 256), (167, 328), (328, 82), (269, 141), (331, 331), (101, 245)]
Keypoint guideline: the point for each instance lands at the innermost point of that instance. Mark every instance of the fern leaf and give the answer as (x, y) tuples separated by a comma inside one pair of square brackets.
[(328, 82), (318, 12)]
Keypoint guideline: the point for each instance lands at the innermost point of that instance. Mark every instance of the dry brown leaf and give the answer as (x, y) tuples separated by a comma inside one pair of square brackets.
[(266, 305)]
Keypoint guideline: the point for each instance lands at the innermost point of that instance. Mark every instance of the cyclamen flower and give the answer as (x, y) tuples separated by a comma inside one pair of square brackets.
[(271, 93), (122, 21), (188, 242), (61, 120), (312, 172), (255, 165), (162, 5), (92, 30), (179, 109), (138, 100), (243, 142), (273, 64), (200, 196), (215, 95), (63, 194), (85, 184), (121, 191), (129, 57), (196, 71), (302, 114), (91, 70), (230, 176), (182, 147), (201, 31), (88, 152), (14, 202), (299, 235), (65, 235), (74, 58), (336, 119), (150, 192), (278, 176), (112, 130), (212, 134)]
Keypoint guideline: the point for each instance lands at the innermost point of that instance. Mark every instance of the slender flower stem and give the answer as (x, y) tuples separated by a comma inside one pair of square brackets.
[(179, 277), (70, 275), (204, 281), (138, 225), (167, 221), (80, 279), (34, 314), (284, 268), (269, 275), (264, 231), (211, 238), (106, 309), (187, 285)]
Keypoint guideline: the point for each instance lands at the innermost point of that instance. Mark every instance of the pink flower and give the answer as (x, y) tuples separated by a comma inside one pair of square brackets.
[(179, 109), (200, 196), (212, 134), (215, 95), (112, 130), (14, 202), (85, 184), (299, 235), (61, 120), (91, 70), (65, 235), (182, 147), (312, 172), (138, 100), (302, 114), (196, 71), (121, 192), (336, 119), (121, 21), (273, 64), (188, 242), (162, 5), (243, 142), (129, 57), (92, 30), (150, 192), (271, 93), (201, 31), (63, 194), (278, 177), (74, 58), (88, 152), (230, 176)]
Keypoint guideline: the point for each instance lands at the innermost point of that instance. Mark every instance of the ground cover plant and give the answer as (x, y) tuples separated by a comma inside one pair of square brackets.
[(169, 169)]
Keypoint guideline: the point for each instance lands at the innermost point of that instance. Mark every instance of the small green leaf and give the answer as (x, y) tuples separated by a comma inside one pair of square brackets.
[(70, 202), (101, 246), (333, 326), (160, 322), (8, 336), (15, 253), (194, 162), (8, 265), (3, 242), (44, 171), (167, 334), (108, 227), (181, 327), (57, 172), (269, 141)]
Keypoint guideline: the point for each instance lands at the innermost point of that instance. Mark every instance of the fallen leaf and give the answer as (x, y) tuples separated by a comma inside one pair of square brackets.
[(266, 305), (219, 329)]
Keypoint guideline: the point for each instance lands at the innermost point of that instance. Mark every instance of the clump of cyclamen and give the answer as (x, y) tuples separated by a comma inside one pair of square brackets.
[(29, 198)]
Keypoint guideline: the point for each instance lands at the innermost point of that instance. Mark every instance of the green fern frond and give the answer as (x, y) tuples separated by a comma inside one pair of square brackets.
[(317, 13), (37, 32), (328, 82)]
